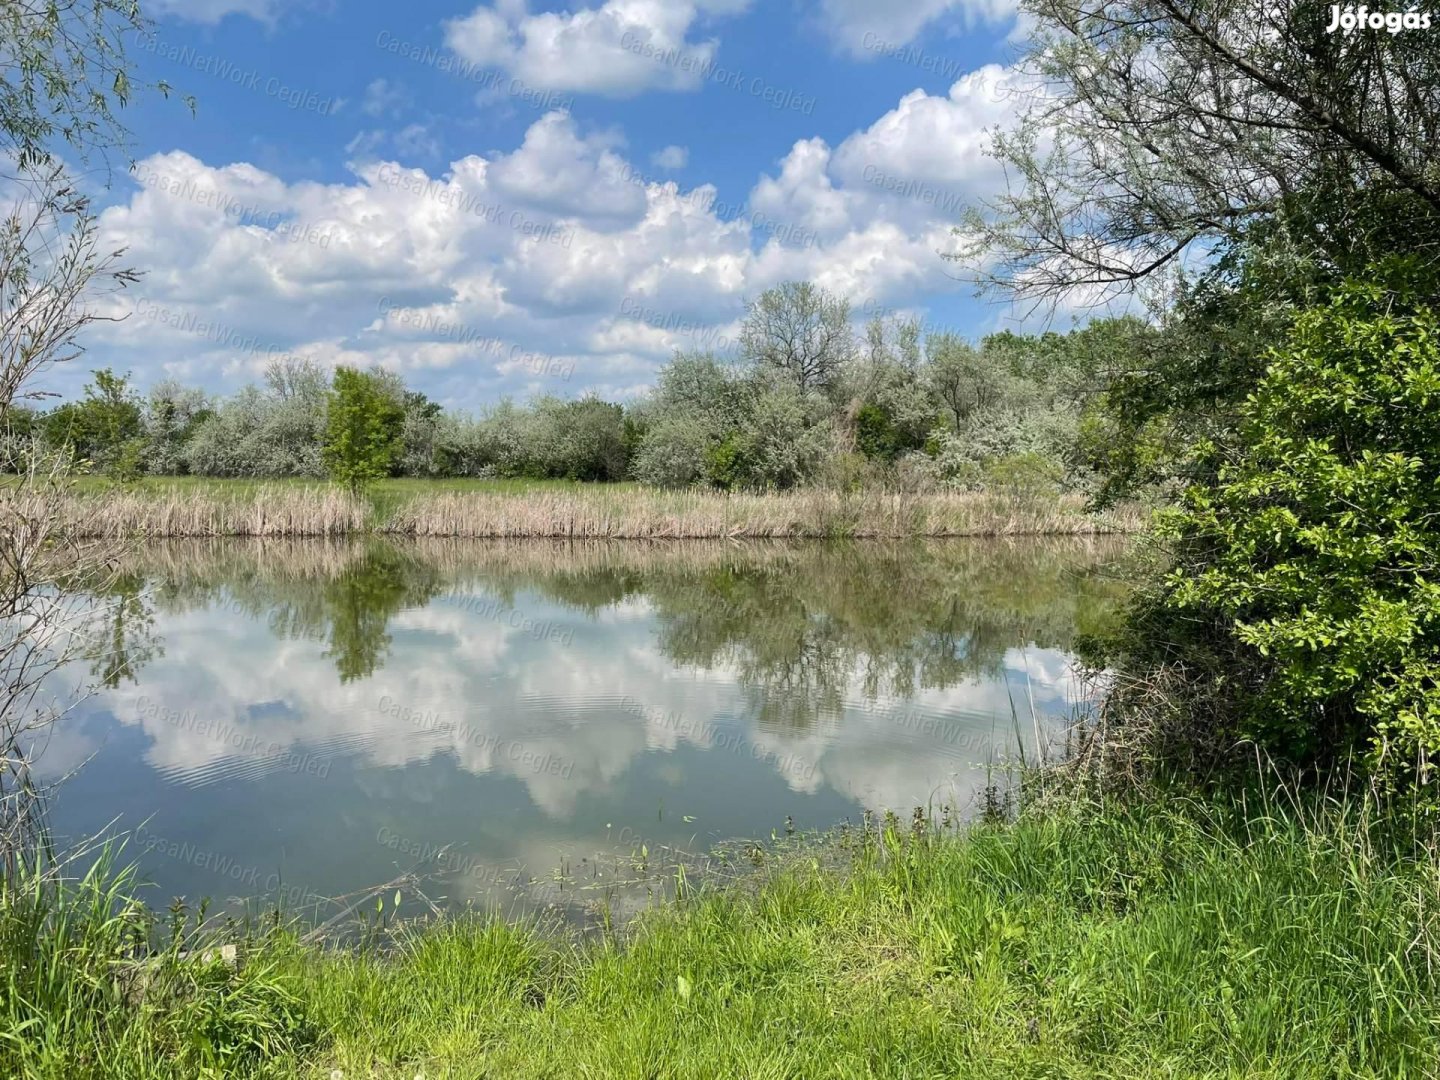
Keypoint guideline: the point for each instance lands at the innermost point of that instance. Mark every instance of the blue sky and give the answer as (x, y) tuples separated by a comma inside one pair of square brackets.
[(506, 199)]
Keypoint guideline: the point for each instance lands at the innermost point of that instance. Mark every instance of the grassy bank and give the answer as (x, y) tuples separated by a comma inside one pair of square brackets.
[(1163, 939), (511, 510)]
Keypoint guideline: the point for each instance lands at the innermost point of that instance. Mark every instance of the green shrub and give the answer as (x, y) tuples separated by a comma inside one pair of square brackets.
[(1028, 474), (274, 431), (578, 440), (878, 437), (673, 453), (1305, 603), (726, 466), (784, 437), (172, 415)]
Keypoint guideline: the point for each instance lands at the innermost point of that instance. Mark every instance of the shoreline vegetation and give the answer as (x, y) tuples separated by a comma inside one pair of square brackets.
[(585, 511)]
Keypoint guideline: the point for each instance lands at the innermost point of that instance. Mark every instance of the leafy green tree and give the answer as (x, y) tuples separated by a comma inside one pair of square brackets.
[(958, 379), (1268, 157), (1303, 610), (363, 428), (699, 384), (106, 427), (801, 331), (64, 77), (66, 74)]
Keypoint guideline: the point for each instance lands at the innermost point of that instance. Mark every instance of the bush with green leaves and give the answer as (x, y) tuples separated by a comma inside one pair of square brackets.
[(229, 441), (173, 413), (878, 435), (784, 437), (732, 428), (890, 400), (674, 452), (704, 387), (106, 427), (991, 443), (251, 434), (420, 452), (699, 404), (276, 430), (578, 440), (1303, 608)]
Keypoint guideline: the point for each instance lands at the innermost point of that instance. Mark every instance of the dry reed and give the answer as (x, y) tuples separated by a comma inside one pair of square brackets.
[(271, 512), (647, 514), (591, 513)]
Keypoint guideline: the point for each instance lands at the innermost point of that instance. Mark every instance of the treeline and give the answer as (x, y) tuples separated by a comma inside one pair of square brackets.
[(808, 402)]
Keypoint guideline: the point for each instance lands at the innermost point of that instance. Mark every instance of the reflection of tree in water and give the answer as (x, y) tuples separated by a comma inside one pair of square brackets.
[(345, 599), (121, 639), (360, 602), (878, 620), (806, 626)]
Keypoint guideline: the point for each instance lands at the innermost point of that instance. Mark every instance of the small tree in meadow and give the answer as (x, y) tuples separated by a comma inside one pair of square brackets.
[(362, 430)]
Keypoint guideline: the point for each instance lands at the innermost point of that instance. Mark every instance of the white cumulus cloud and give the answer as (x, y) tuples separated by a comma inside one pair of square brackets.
[(556, 266), (619, 49), (871, 27)]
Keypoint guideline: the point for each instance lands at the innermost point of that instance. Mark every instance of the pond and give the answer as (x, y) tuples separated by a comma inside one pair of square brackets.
[(507, 724)]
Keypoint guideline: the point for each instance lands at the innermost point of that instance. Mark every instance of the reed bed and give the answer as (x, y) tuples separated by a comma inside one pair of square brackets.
[(648, 514), (597, 513), (267, 512)]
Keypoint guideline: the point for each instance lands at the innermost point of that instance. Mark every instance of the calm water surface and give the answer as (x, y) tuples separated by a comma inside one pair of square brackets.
[(514, 722)]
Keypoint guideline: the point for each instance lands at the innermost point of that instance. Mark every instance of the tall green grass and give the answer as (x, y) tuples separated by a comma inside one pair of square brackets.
[(1161, 937), (95, 983)]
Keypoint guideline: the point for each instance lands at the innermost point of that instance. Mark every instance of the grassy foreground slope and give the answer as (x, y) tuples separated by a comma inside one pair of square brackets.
[(1166, 939)]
